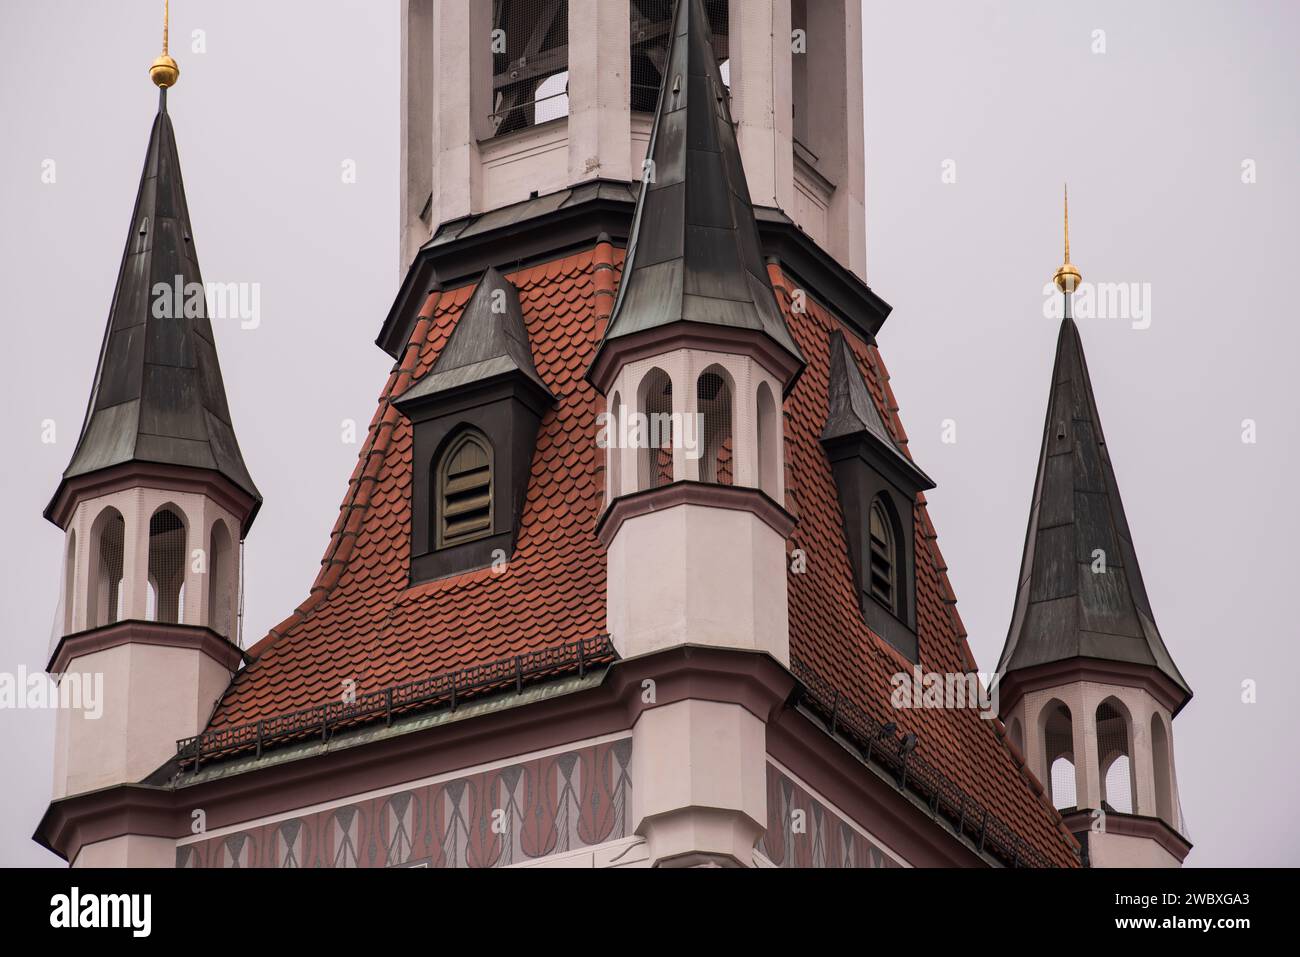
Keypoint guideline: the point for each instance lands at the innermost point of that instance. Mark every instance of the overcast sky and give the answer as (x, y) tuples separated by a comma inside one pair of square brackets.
[(975, 114)]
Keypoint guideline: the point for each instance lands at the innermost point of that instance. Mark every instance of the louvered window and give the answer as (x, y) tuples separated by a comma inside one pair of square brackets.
[(464, 499), (880, 579)]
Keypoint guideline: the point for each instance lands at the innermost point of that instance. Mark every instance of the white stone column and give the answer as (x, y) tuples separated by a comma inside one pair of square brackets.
[(462, 69), (600, 118), (416, 180), (700, 773), (762, 98), (835, 121)]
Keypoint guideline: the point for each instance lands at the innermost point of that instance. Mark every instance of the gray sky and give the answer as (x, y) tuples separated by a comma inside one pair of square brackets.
[(1151, 135)]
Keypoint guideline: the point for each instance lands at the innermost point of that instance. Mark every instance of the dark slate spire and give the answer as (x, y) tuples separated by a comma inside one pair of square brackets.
[(158, 396), (1064, 609), (489, 342), (852, 411), (694, 254)]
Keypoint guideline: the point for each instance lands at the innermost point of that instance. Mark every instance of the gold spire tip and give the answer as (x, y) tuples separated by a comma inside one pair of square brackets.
[(1067, 277), (164, 71)]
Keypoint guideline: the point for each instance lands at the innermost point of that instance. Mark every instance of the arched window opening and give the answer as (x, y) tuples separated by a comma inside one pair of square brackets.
[(769, 442), (882, 575), (713, 402), (1114, 758), (651, 24), (464, 491), (1058, 741), (69, 581), (105, 598), (530, 63), (655, 441), (1160, 752), (166, 567), (615, 449), (220, 579)]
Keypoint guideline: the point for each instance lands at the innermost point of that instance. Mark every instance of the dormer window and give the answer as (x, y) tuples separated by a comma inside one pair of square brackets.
[(474, 421), (881, 583), (877, 485), (464, 493)]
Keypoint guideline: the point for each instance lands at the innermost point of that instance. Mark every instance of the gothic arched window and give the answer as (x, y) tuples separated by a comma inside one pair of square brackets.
[(463, 493), (167, 552), (882, 577), (713, 400)]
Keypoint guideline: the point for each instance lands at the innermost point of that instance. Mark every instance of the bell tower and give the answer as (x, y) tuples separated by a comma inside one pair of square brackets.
[(1088, 690), (520, 99), (154, 505)]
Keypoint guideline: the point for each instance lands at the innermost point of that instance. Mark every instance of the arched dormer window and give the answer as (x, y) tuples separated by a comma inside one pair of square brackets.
[(882, 576), (463, 494)]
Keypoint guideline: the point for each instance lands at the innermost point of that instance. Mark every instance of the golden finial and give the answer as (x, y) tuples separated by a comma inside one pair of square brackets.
[(1067, 278), (164, 70)]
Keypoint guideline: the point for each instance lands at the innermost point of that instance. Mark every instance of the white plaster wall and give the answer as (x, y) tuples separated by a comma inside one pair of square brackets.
[(700, 773), (152, 696), (131, 850), (696, 575)]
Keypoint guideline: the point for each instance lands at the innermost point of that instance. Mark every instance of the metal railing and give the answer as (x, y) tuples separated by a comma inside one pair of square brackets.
[(448, 690), (882, 746)]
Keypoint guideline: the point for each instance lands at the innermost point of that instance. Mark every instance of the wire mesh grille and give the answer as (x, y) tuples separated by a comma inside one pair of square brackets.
[(1058, 734), (166, 567), (651, 24), (1114, 759), (107, 593), (655, 454), (221, 579), (530, 63), (713, 400)]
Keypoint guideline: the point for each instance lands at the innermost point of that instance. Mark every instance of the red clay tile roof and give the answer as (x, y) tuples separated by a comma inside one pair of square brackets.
[(362, 623)]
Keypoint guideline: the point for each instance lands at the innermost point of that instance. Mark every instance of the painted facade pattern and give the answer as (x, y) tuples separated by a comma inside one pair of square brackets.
[(495, 818), (803, 832)]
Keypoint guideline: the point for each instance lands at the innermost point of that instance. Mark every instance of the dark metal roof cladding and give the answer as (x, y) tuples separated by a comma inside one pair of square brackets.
[(852, 411), (694, 253), (1064, 609), (158, 395), (489, 340)]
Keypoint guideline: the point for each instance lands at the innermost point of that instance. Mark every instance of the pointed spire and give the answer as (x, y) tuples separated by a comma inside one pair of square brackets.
[(158, 396), (488, 342), (853, 413), (693, 254), (1080, 592)]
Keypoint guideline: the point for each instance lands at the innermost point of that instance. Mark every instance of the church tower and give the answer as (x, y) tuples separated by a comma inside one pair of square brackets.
[(154, 505), (1088, 690)]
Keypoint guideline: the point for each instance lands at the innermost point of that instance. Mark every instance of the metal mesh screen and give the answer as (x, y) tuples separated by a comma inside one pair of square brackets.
[(1058, 734), (651, 23), (713, 400), (1114, 759), (220, 590), (107, 599), (166, 566), (655, 457), (530, 63)]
